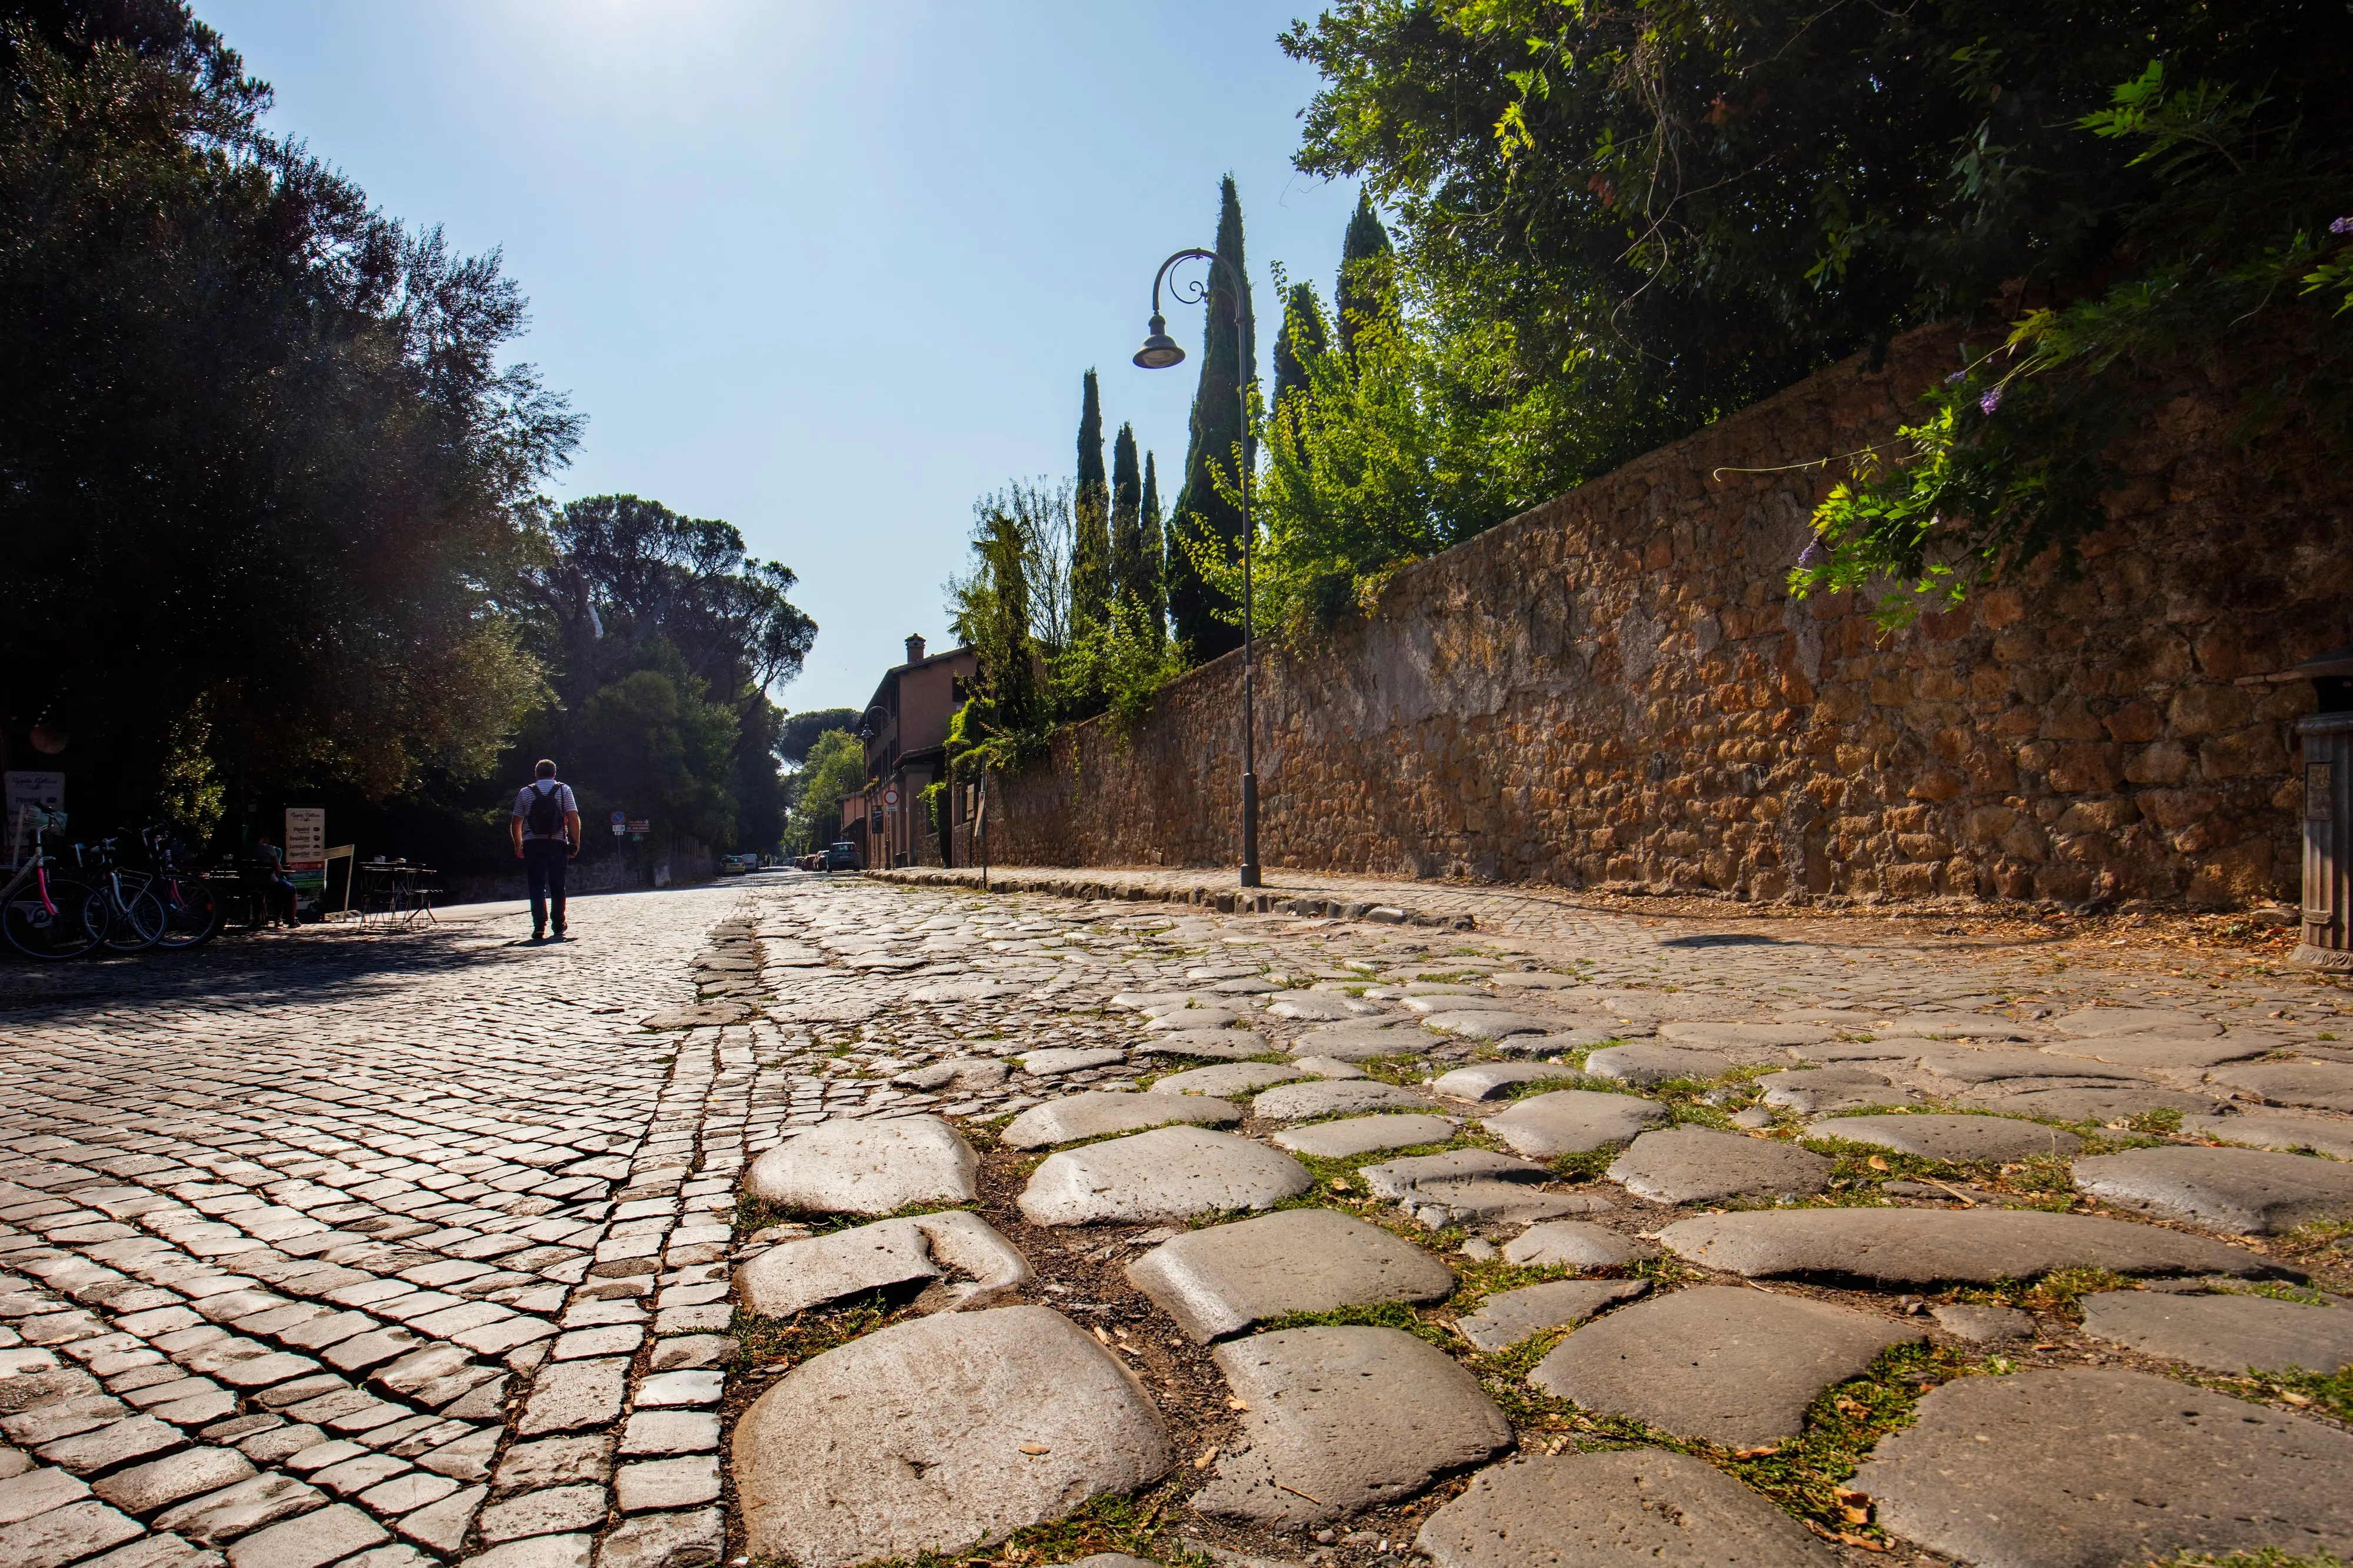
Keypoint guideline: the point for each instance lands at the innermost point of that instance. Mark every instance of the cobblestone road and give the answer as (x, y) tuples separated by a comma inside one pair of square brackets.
[(1030, 1227)]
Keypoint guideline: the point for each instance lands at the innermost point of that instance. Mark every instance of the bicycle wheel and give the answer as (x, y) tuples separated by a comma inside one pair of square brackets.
[(130, 921), (50, 928), (191, 915)]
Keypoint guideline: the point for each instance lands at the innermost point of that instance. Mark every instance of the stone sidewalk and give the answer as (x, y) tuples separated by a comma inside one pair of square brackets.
[(1020, 1229)]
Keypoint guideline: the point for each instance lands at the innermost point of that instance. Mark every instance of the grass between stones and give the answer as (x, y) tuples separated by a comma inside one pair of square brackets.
[(2329, 1394), (2261, 1557), (755, 1215)]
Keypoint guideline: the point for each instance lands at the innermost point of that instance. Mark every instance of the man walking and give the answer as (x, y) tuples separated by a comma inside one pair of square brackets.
[(546, 832)]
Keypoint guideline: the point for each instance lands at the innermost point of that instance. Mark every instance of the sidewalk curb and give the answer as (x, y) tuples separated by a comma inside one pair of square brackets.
[(1223, 899)]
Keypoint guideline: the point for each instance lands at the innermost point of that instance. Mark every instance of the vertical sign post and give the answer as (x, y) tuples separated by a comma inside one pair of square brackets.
[(306, 852)]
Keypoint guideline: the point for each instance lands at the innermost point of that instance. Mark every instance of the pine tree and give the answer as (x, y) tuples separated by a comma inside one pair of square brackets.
[(1154, 586), (1301, 339), (1202, 514), (1127, 557), (1363, 294), (1091, 562)]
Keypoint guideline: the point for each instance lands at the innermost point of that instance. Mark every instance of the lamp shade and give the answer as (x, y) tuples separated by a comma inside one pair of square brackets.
[(1159, 350)]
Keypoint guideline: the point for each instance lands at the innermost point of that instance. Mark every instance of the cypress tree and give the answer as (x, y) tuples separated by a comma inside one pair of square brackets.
[(1363, 294), (1090, 563), (1202, 514), (1152, 588), (1127, 557), (1302, 340)]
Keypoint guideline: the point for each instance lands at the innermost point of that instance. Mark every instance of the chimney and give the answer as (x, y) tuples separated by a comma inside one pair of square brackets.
[(915, 648)]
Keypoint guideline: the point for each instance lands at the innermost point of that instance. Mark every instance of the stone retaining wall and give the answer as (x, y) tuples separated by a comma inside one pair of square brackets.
[(1615, 689)]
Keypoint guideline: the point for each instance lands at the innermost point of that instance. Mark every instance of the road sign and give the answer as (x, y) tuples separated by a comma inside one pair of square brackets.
[(641, 825), (891, 799), (620, 822)]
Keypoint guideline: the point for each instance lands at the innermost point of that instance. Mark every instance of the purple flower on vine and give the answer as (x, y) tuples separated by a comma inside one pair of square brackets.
[(1813, 553), (1991, 400), (1957, 375), (2342, 225)]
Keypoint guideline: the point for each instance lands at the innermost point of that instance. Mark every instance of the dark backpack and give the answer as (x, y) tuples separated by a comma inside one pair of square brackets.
[(545, 818)]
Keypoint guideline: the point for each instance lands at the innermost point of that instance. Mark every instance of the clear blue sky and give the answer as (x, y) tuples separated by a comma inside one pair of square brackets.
[(827, 271)]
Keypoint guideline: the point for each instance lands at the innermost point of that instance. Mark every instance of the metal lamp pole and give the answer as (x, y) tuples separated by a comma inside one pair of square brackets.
[(1159, 352)]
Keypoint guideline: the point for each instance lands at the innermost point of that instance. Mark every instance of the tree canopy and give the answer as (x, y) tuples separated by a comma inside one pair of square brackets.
[(263, 474), (1654, 213)]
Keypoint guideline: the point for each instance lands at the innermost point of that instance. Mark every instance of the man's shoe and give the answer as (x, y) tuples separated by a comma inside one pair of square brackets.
[(539, 936)]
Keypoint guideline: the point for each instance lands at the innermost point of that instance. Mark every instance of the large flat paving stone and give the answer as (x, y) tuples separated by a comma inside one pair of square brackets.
[(1056, 1060), (1229, 1078), (2091, 1468), (2100, 1023), (1645, 1066), (1173, 1173), (1097, 1112), (1365, 1135), (1961, 1138), (935, 1435), (2247, 1192), (2323, 1086), (1403, 1180), (1919, 1247), (1639, 1508), (1344, 1419), (1733, 1365), (1711, 1036), (867, 1167), (1991, 1064), (2203, 1050), (1313, 1007), (1326, 1097), (797, 1275), (1491, 1080), (2278, 1129), (2111, 1105), (1362, 1041), (1473, 1185), (1575, 1243), (2225, 1333), (1489, 1022), (1809, 1091), (1208, 1045), (1508, 1316), (1219, 1281), (1699, 1165), (1572, 1121)]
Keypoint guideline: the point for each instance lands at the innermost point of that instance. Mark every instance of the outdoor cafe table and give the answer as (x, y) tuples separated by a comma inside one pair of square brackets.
[(394, 891)]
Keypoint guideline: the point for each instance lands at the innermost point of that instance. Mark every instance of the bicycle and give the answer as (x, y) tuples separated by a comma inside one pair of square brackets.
[(192, 915), (124, 911), (44, 913)]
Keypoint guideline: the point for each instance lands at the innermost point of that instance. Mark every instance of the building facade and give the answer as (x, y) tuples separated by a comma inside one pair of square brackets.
[(905, 730)]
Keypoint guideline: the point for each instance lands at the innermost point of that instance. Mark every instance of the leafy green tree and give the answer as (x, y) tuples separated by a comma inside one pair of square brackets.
[(1365, 293), (1661, 213), (1207, 520), (835, 767), (1091, 550), (1135, 576), (264, 480), (1301, 339), (1004, 723), (1152, 544), (652, 743), (629, 587), (800, 732)]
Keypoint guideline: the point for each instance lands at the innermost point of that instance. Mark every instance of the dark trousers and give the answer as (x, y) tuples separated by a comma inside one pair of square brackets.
[(543, 867)]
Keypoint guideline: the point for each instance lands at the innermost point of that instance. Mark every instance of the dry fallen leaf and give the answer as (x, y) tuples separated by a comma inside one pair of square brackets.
[(1035, 1448), (1234, 1404), (1207, 1455), (1876, 1164)]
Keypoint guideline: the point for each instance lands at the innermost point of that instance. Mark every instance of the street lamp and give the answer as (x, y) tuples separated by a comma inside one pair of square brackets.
[(1159, 352)]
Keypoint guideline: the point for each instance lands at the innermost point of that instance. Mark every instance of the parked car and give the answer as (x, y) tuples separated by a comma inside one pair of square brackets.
[(842, 857)]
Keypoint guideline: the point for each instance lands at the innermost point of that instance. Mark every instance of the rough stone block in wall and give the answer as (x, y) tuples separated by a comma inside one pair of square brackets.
[(1616, 687)]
